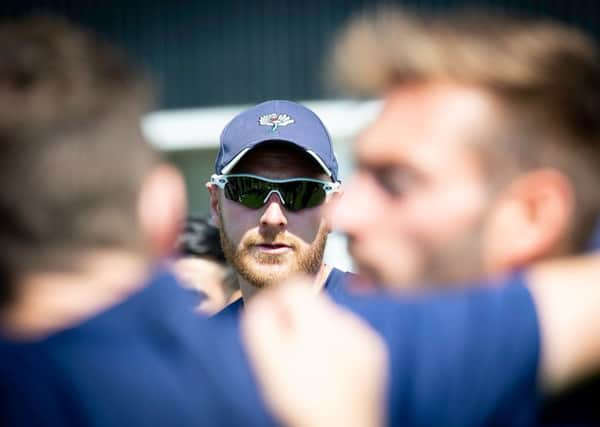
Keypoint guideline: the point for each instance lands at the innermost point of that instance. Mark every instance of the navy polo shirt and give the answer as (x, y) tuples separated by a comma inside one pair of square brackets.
[(464, 359), (149, 361), (335, 284)]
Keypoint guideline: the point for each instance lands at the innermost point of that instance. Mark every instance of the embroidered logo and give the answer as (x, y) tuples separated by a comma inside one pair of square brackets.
[(275, 120)]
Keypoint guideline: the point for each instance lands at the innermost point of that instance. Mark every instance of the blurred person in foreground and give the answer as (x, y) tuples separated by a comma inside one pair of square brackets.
[(201, 266), (485, 157), (483, 160), (275, 174), (91, 333)]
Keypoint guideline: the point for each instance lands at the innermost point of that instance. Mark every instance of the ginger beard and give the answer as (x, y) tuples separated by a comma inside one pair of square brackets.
[(263, 270)]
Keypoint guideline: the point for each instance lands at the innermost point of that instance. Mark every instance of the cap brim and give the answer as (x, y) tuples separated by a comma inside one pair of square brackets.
[(233, 162)]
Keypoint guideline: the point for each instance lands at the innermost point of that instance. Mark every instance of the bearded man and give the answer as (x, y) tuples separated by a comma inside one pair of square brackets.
[(275, 174)]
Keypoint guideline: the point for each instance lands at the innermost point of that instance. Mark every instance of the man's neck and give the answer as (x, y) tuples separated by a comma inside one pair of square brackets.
[(318, 280), (47, 302)]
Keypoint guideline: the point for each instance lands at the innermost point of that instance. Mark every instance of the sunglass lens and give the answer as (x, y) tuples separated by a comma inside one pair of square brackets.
[(248, 191), (303, 194), (252, 200)]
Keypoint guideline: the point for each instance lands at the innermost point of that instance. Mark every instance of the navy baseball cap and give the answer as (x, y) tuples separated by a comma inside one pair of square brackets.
[(284, 121)]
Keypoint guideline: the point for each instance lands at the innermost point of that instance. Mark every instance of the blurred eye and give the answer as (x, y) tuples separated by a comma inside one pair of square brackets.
[(396, 182)]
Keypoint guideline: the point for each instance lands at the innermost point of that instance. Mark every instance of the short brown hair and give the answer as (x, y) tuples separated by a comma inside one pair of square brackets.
[(72, 157), (545, 76)]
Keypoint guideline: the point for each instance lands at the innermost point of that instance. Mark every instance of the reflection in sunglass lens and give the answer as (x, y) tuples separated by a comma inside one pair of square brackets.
[(250, 192), (252, 200), (302, 194)]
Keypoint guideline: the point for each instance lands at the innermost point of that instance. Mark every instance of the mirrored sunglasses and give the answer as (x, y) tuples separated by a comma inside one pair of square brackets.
[(253, 191)]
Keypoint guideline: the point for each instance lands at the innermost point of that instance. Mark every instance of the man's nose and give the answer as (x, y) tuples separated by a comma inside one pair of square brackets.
[(274, 214), (355, 209)]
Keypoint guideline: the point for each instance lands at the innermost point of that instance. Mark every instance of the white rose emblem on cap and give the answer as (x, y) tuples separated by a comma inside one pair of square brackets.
[(271, 121), (275, 120)]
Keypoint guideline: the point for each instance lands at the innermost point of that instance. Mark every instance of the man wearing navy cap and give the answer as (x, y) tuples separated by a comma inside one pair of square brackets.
[(275, 173)]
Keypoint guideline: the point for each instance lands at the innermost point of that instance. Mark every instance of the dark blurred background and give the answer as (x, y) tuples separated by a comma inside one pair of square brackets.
[(238, 52)]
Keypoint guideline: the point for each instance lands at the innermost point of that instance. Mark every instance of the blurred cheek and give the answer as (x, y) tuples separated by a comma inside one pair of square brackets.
[(443, 215), (384, 234), (387, 254)]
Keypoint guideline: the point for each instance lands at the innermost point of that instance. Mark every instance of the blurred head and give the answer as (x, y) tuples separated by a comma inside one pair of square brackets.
[(484, 157), (76, 176), (201, 265)]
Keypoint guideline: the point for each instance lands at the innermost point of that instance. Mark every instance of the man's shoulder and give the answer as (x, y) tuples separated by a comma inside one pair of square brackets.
[(458, 346), (337, 281), (33, 390), (195, 366)]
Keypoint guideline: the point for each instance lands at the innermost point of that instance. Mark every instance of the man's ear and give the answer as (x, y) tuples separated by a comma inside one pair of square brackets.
[(213, 192), (161, 208), (531, 221)]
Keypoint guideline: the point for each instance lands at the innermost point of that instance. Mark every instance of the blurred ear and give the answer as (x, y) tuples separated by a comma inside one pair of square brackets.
[(162, 208), (531, 221), (213, 192)]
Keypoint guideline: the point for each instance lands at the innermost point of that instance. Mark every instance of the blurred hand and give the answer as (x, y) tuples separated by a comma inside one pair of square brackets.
[(566, 292), (317, 364), (206, 277)]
